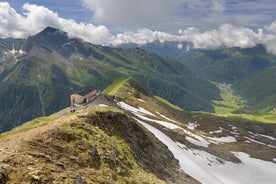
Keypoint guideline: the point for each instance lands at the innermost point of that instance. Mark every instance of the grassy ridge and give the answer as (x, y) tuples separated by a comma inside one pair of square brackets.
[(114, 87)]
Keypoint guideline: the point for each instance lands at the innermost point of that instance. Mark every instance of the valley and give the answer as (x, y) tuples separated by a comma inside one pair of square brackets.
[(231, 103)]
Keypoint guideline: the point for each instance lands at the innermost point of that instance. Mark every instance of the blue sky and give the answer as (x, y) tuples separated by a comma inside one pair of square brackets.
[(69, 9), (204, 23), (166, 16)]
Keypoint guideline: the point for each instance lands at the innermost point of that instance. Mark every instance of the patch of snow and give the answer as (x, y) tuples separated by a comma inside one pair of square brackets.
[(196, 142), (235, 133), (191, 125), (226, 139), (194, 138), (233, 127), (144, 111), (162, 123), (266, 136), (103, 105), (139, 110), (141, 100), (207, 169), (262, 135), (274, 159), (253, 140), (165, 117), (216, 131), (259, 142)]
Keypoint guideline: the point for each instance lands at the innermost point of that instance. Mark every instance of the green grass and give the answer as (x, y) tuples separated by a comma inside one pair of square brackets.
[(168, 103), (113, 88), (229, 102), (232, 103), (29, 125), (267, 118)]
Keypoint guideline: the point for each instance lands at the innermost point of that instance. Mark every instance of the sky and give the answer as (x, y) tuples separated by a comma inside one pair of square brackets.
[(206, 24)]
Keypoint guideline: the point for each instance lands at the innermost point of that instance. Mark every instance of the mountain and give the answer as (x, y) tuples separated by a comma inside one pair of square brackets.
[(44, 69), (127, 135), (251, 72), (259, 90), (172, 49), (230, 64)]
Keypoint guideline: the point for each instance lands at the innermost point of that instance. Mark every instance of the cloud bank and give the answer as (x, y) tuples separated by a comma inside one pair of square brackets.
[(131, 14), (35, 18)]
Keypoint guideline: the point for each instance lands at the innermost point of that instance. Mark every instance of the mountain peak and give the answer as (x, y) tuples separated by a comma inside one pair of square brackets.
[(53, 32), (53, 39)]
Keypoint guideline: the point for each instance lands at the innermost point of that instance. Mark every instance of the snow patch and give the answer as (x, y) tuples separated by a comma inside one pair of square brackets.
[(191, 125), (165, 117), (262, 135), (226, 139), (103, 105), (266, 136), (208, 169), (203, 141), (216, 131), (259, 142), (141, 100), (139, 110), (196, 142)]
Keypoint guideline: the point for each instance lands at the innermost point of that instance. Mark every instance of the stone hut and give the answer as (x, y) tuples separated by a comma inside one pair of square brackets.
[(83, 97)]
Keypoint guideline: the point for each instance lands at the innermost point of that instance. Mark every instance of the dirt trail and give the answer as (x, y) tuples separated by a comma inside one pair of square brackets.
[(10, 143)]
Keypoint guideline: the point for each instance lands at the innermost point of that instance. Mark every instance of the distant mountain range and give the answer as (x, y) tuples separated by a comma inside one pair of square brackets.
[(250, 71), (39, 73), (165, 49)]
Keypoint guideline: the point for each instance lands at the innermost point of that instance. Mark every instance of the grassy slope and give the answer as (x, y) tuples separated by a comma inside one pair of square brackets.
[(231, 104)]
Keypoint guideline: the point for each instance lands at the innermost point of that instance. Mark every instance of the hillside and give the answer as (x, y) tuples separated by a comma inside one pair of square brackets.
[(127, 135), (43, 71), (251, 72)]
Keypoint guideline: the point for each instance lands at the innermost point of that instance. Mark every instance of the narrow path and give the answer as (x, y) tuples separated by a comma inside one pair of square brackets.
[(10, 143)]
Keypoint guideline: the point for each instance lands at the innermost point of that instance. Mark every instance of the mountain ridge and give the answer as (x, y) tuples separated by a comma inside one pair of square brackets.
[(55, 65), (115, 138)]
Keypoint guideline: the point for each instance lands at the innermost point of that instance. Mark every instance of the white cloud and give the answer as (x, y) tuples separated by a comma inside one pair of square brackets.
[(225, 35), (131, 12), (153, 14), (35, 18), (143, 36)]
